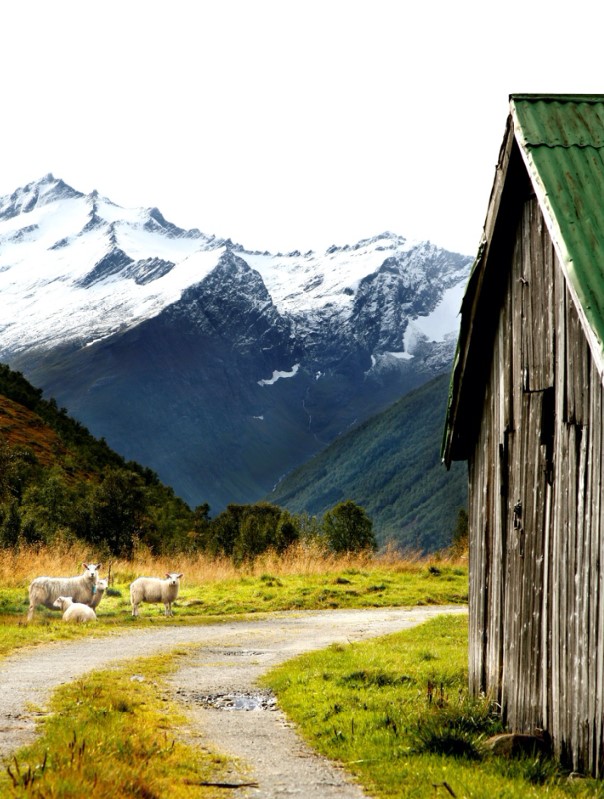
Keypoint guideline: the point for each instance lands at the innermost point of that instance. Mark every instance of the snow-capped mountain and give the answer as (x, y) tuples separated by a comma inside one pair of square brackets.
[(219, 368)]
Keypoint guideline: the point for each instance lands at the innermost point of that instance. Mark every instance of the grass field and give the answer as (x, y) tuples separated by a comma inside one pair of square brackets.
[(305, 579), (394, 711), (100, 724)]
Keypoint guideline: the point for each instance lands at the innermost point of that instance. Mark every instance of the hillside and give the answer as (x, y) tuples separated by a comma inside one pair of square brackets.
[(391, 466), (23, 428), (57, 480)]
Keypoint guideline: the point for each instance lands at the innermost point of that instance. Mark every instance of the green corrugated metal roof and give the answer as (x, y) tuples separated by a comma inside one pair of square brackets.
[(562, 140)]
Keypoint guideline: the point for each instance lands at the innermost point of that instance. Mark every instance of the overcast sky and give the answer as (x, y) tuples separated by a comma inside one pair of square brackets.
[(284, 124)]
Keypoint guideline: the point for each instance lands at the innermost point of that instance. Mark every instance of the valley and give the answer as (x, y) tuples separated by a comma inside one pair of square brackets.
[(222, 370)]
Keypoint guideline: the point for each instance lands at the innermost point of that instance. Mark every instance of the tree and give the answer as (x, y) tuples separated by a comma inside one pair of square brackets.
[(198, 534), (116, 512), (347, 528), (245, 531), (18, 466), (48, 504), (224, 530), (287, 533), (257, 531), (10, 525)]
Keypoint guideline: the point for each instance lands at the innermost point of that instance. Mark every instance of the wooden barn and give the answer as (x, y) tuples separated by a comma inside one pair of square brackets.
[(526, 410)]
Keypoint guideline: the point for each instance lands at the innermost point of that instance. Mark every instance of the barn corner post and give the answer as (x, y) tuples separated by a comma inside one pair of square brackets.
[(526, 412)]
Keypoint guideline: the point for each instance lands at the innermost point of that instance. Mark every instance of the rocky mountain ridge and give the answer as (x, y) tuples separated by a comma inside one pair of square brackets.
[(219, 368)]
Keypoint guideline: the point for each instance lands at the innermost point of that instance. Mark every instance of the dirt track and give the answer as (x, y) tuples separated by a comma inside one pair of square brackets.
[(227, 711)]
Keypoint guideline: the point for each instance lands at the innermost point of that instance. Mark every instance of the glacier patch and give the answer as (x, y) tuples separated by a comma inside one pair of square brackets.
[(278, 375)]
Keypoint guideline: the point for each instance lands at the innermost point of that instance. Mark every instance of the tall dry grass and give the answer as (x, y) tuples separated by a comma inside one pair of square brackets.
[(18, 567)]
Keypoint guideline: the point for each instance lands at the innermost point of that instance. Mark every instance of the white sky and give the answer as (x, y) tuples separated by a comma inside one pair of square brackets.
[(284, 124)]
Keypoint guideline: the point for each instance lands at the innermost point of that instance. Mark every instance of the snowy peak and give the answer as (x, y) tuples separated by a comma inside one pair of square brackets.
[(156, 222), (381, 243), (114, 267), (38, 193)]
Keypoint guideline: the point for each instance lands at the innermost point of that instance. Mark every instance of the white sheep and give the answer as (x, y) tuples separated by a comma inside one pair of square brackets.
[(101, 586), (44, 590), (154, 589), (74, 611)]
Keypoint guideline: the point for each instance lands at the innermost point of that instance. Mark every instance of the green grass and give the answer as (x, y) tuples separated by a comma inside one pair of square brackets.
[(199, 604), (113, 736), (395, 712), (115, 733), (350, 588)]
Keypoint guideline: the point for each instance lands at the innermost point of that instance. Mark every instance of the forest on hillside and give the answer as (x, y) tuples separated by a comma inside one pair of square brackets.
[(391, 465), (59, 482)]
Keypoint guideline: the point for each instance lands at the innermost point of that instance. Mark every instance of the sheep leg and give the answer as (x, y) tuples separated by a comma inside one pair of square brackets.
[(35, 598)]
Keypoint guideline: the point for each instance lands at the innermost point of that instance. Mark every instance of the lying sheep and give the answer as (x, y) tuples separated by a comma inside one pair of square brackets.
[(74, 611), (153, 589), (101, 586), (44, 590)]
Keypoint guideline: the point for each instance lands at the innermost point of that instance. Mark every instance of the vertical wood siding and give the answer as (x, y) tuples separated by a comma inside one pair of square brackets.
[(536, 515)]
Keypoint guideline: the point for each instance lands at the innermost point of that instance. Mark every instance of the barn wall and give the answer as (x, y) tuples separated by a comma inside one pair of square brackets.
[(535, 514)]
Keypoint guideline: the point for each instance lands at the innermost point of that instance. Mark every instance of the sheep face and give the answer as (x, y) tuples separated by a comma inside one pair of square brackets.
[(62, 602), (92, 570), (98, 592)]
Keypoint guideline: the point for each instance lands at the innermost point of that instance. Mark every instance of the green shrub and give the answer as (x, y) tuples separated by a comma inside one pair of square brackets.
[(347, 528)]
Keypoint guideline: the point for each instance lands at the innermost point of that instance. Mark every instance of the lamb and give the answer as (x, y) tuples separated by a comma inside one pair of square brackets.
[(44, 590), (74, 611), (154, 589), (97, 595)]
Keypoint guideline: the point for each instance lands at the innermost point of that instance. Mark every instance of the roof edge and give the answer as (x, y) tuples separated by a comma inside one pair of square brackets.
[(450, 450), (559, 98), (596, 345)]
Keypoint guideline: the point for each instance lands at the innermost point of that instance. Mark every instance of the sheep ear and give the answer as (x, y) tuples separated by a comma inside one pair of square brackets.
[(180, 575), (168, 574)]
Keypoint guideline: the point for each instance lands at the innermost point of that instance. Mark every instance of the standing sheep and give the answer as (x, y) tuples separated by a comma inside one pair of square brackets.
[(44, 590), (74, 611), (153, 589), (101, 586)]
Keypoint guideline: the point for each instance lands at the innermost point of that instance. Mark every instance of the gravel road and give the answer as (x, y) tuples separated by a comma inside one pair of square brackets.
[(217, 685)]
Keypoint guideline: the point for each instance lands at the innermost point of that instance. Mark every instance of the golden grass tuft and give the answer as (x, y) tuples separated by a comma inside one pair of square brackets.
[(19, 566)]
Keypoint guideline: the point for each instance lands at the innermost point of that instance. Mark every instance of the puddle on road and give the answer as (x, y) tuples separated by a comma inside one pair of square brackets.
[(232, 700), (234, 653), (240, 653), (257, 700)]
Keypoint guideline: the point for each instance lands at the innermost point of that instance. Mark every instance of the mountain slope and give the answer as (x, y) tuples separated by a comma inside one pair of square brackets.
[(391, 466), (221, 369), (57, 480)]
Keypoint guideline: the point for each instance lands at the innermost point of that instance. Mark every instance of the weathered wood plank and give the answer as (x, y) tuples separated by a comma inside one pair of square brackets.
[(536, 577), (593, 526), (559, 504), (598, 744)]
